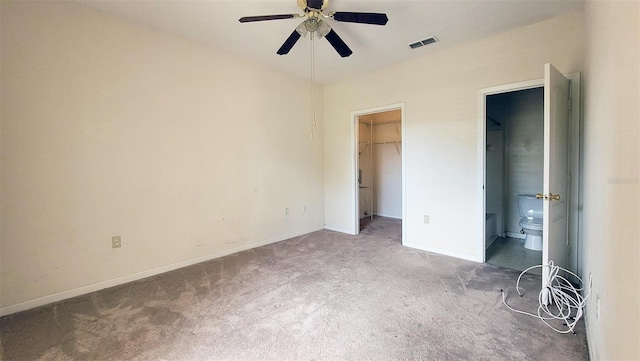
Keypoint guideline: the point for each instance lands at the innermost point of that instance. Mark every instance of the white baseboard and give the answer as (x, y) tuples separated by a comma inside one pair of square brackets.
[(444, 252), (590, 342), (56, 297), (491, 242), (394, 216), (515, 235), (338, 229)]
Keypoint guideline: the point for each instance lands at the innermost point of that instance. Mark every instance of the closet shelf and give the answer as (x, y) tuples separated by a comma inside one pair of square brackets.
[(391, 142)]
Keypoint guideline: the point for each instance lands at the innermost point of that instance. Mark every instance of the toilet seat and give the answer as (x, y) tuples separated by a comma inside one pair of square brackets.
[(534, 224)]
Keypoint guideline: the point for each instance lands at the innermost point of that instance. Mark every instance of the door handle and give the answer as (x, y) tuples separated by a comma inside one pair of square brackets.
[(550, 197)]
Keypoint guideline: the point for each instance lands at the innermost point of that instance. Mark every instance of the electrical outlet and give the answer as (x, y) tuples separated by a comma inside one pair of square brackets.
[(597, 308), (116, 242), (426, 219), (286, 211)]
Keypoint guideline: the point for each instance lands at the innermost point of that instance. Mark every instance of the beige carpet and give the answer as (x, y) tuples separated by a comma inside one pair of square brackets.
[(322, 296)]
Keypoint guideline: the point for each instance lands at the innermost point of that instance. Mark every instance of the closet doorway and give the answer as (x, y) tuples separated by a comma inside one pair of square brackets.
[(378, 165)]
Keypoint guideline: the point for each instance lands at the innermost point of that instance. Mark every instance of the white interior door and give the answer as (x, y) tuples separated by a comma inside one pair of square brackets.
[(556, 168)]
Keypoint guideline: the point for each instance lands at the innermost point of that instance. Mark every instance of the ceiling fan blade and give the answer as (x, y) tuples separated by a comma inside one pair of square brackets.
[(289, 43), (338, 44), (362, 18), (248, 19)]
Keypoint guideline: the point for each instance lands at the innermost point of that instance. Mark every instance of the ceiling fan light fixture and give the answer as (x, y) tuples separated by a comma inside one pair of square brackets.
[(319, 28), (323, 29), (311, 24), (302, 29)]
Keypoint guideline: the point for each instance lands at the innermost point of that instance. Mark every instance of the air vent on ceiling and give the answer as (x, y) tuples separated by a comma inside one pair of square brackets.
[(424, 42)]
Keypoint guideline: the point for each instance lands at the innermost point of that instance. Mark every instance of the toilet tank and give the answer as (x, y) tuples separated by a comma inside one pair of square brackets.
[(530, 206)]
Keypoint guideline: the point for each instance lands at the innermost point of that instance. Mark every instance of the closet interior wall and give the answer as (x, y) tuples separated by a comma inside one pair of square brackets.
[(387, 162), (380, 164)]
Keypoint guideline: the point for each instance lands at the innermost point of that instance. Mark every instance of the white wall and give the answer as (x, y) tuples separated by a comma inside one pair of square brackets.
[(494, 186), (441, 94), (611, 216), (365, 166), (109, 128), (388, 168), (387, 163), (494, 163)]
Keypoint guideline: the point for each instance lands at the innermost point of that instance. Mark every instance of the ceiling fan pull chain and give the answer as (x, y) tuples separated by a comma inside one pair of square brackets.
[(313, 89)]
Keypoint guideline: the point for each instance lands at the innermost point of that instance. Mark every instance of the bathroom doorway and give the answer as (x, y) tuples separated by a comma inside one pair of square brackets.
[(514, 165), (378, 164), (561, 168)]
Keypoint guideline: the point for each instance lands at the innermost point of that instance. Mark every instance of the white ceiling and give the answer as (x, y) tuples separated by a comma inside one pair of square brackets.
[(215, 23)]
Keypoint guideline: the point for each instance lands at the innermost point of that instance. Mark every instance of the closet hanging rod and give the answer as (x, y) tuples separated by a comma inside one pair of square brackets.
[(390, 142), (387, 122)]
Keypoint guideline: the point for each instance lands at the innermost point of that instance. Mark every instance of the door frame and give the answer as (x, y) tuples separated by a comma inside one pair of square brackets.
[(575, 139), (354, 161)]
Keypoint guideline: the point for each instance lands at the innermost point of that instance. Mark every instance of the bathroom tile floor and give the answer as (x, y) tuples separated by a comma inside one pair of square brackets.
[(510, 253)]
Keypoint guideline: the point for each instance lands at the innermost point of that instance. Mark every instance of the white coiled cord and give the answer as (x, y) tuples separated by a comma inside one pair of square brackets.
[(569, 303)]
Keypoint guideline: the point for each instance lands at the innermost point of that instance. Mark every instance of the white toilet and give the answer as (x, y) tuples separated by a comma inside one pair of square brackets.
[(531, 221)]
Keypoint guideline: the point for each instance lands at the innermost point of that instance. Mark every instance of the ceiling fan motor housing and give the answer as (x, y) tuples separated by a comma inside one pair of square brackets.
[(313, 4)]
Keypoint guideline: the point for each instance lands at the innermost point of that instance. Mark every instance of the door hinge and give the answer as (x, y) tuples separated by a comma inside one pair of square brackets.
[(570, 104)]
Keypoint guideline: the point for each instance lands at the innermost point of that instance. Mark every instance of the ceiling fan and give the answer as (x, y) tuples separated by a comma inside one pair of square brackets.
[(314, 23)]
